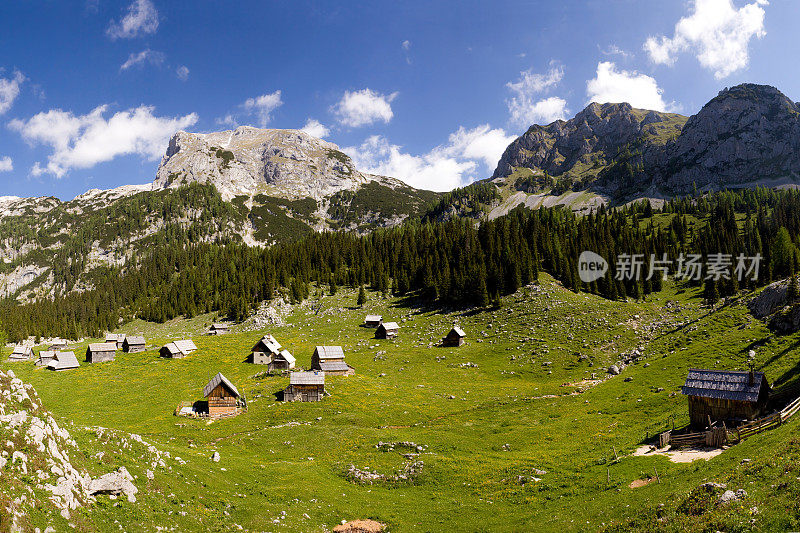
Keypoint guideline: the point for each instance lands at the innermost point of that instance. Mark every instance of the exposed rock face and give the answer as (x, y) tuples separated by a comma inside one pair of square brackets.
[(748, 134), (284, 163)]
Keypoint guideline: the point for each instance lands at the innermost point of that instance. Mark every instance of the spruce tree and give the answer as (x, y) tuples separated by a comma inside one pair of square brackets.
[(362, 296)]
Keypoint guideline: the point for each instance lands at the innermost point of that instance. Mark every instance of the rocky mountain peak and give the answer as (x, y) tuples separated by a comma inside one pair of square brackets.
[(247, 160)]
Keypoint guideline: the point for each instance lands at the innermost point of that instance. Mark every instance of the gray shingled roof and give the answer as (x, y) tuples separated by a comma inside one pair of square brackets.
[(287, 356), (216, 380), (307, 378), (334, 366), (330, 352), (724, 385), (103, 347), (22, 349), (459, 331), (135, 341), (373, 318), (115, 337), (391, 325), (185, 346), (64, 361)]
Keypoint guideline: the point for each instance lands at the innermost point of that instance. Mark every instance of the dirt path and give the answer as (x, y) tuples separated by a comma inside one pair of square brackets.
[(685, 455)]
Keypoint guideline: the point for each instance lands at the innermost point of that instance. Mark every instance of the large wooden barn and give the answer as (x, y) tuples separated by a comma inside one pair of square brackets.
[(178, 349), (305, 387), (387, 330), (133, 344), (727, 396), (266, 350), (455, 338), (222, 396), (330, 359)]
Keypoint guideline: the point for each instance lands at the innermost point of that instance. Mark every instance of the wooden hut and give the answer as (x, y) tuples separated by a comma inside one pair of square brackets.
[(373, 321), (218, 328), (58, 345), (330, 359), (282, 362), (387, 330), (63, 361), (99, 352), (133, 344), (728, 396), (178, 349), (305, 387), (265, 350), (455, 338), (22, 352), (222, 396), (45, 357), (116, 338)]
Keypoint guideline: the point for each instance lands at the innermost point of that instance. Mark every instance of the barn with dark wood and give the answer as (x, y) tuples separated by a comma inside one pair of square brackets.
[(133, 344), (455, 338), (265, 350), (178, 349), (219, 328), (21, 352), (330, 359), (100, 352), (223, 397), (305, 387), (373, 321), (387, 330), (63, 361), (725, 396), (282, 362), (116, 338)]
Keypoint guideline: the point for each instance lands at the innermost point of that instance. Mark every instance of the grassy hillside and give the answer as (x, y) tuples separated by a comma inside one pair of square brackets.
[(517, 399)]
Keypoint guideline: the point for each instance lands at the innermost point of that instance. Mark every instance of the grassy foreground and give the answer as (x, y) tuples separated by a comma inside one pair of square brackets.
[(519, 398)]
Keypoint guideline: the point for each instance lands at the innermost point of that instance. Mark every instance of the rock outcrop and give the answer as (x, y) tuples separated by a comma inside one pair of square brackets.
[(745, 136)]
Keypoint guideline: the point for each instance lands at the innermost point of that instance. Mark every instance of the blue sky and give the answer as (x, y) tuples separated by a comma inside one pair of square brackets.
[(430, 92)]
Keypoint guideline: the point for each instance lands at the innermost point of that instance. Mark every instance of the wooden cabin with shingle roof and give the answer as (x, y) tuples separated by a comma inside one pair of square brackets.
[(45, 357), (116, 338), (100, 352), (387, 330), (330, 359), (373, 321), (284, 361), (63, 361), (222, 396), (22, 352), (265, 350), (727, 396), (455, 338), (219, 328), (178, 349), (305, 387), (133, 344)]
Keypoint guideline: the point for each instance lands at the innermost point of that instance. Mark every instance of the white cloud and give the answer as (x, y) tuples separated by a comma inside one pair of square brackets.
[(316, 129), (6, 165), (182, 72), (145, 56), (615, 86), (614, 50), (363, 108), (9, 90), (83, 141), (525, 108), (142, 18), (406, 45), (442, 169), (263, 106), (716, 32), (228, 120)]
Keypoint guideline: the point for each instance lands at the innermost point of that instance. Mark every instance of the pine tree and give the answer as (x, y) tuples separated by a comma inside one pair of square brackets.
[(362, 296), (710, 292)]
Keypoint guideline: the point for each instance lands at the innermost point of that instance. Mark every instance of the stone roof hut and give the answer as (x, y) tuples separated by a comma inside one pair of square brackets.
[(265, 350), (373, 321), (22, 352), (63, 361), (218, 328), (178, 349), (455, 338), (387, 330), (116, 338), (330, 359)]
